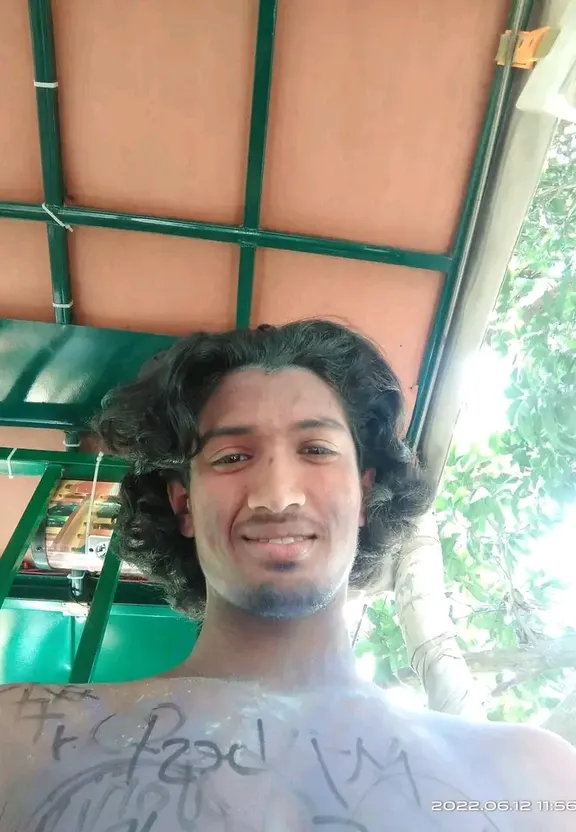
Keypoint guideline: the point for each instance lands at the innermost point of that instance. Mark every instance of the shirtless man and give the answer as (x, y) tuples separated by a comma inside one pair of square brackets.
[(267, 477)]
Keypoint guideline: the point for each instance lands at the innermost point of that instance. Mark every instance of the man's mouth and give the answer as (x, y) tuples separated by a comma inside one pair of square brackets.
[(290, 548), (281, 540)]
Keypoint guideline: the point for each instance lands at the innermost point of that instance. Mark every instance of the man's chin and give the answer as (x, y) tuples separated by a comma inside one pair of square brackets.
[(269, 601)]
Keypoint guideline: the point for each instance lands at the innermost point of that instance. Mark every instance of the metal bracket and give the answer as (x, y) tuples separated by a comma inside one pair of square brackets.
[(530, 47), (38, 549), (75, 609)]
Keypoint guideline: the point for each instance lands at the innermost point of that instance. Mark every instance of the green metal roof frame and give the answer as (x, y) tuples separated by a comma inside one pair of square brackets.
[(249, 236)]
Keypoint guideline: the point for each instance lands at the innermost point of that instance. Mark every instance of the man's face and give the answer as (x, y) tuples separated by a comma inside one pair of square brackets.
[(275, 493)]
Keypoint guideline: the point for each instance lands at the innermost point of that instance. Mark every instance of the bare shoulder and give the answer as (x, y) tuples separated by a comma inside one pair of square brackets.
[(540, 767), (528, 745), (536, 752), (530, 762)]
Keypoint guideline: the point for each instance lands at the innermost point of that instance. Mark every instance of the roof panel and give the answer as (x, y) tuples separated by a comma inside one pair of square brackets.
[(152, 283), (15, 493), (20, 176), (393, 305), (155, 103), (375, 115), (25, 290)]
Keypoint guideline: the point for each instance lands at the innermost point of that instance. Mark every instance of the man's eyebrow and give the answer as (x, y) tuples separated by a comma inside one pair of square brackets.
[(225, 430), (320, 422), (247, 430)]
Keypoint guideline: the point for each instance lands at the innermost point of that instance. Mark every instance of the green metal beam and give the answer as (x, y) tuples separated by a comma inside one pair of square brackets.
[(97, 621), (256, 152), (120, 610), (245, 286), (35, 604), (259, 115), (26, 529), (66, 417), (351, 250), (481, 169), (260, 238), (52, 588), (46, 84), (79, 466), (55, 587)]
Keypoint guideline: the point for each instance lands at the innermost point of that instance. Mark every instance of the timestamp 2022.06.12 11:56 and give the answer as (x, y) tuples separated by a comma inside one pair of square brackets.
[(504, 805)]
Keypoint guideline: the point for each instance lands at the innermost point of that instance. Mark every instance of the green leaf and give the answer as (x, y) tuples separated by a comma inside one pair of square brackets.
[(485, 620), (383, 673), (373, 616), (363, 647), (475, 590)]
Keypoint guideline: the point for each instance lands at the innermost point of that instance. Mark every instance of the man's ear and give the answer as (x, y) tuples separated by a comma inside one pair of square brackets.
[(367, 483), (180, 502)]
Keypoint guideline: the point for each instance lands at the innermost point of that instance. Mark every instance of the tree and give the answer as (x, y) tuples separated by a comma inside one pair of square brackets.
[(496, 501)]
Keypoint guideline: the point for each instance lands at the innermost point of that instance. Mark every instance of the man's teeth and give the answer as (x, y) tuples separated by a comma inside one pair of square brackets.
[(283, 540)]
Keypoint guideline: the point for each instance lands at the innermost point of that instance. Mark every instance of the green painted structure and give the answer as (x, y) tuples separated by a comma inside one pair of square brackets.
[(129, 631)]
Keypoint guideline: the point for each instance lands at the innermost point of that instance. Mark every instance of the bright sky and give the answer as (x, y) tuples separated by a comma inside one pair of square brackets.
[(485, 405)]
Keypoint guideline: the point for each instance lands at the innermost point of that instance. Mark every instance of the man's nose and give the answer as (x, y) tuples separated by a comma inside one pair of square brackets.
[(275, 485)]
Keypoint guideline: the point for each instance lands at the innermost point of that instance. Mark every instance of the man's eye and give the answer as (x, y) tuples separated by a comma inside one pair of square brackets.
[(319, 450), (231, 459)]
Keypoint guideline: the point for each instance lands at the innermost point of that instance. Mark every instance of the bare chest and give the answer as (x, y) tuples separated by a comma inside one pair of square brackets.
[(271, 764)]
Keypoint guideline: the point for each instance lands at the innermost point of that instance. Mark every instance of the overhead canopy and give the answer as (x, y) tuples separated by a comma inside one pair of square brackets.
[(319, 158)]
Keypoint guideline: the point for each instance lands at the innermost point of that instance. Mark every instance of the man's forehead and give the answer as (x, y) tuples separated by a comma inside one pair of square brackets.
[(252, 396)]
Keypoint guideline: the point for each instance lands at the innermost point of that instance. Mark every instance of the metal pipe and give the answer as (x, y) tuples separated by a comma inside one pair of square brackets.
[(481, 168), (256, 152), (76, 576), (46, 83), (97, 620), (260, 238), (79, 466), (55, 416)]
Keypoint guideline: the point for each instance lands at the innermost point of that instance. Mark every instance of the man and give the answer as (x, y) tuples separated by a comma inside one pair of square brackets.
[(267, 477)]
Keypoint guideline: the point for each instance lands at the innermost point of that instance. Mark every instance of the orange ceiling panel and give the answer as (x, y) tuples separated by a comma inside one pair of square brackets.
[(20, 177), (393, 305), (151, 282), (375, 113), (155, 104), (16, 493), (25, 290)]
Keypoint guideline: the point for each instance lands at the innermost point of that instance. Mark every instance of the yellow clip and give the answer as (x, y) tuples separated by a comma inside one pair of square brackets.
[(530, 47)]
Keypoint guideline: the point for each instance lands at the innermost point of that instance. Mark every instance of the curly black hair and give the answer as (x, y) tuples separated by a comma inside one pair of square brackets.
[(154, 423)]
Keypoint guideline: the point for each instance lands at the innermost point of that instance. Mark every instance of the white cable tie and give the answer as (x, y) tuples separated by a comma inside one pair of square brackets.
[(92, 498), (56, 219), (9, 463), (46, 85), (63, 305)]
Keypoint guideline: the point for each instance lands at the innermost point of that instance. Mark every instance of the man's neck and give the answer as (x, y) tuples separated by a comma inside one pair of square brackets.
[(302, 652)]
